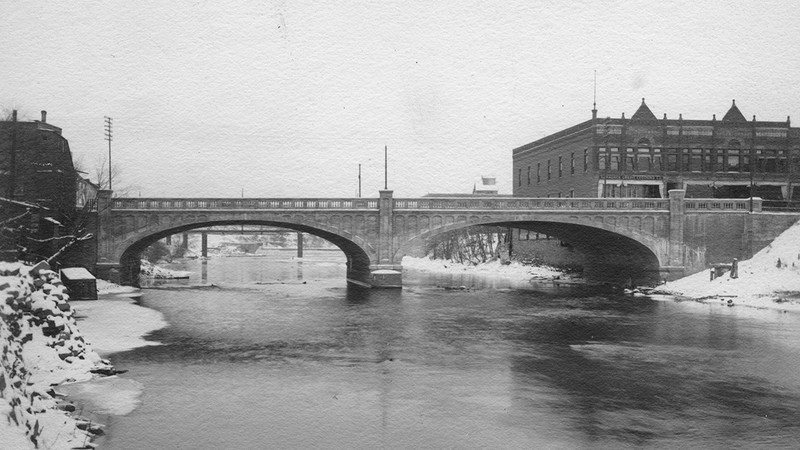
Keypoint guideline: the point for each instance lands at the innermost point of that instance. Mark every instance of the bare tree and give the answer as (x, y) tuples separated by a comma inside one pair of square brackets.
[(19, 240), (99, 172)]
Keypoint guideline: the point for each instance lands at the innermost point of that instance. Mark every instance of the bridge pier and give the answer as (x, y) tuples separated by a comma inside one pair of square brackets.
[(108, 271), (299, 244), (378, 276)]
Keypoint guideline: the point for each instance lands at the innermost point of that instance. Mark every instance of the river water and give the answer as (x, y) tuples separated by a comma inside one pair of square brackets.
[(301, 360)]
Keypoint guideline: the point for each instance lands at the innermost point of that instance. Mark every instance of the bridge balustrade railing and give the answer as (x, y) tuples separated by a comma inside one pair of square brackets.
[(243, 203), (532, 203), (482, 204), (722, 205)]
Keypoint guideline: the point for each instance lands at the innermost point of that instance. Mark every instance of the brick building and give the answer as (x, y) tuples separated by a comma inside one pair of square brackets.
[(644, 156), (36, 173)]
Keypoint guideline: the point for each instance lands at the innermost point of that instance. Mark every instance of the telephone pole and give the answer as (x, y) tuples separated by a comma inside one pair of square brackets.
[(109, 121)]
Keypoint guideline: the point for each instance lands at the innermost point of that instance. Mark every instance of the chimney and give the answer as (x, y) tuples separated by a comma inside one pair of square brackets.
[(44, 116)]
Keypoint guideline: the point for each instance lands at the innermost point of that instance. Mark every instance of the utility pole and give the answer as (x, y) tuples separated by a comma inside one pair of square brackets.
[(109, 120)]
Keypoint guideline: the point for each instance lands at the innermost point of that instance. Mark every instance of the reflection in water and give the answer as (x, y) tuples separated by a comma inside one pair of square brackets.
[(324, 364)]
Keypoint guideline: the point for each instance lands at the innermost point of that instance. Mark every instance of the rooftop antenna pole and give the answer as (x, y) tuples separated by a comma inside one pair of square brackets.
[(594, 98), (109, 121), (385, 167), (359, 180), (12, 176)]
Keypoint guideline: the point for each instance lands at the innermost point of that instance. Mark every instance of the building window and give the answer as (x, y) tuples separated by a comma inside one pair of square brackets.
[(602, 159), (549, 171), (696, 159), (538, 172), (795, 160), (685, 166), (614, 153), (529, 175), (629, 160), (782, 162), (585, 159), (560, 168), (572, 193), (708, 161), (767, 161), (733, 160), (643, 160), (672, 161), (656, 165), (572, 164), (519, 178), (719, 161)]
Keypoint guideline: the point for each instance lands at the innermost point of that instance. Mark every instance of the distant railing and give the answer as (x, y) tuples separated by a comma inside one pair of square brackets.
[(533, 203), (722, 204), (241, 203)]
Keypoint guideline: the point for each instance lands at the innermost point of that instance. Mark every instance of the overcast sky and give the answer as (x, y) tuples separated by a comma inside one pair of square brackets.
[(286, 98)]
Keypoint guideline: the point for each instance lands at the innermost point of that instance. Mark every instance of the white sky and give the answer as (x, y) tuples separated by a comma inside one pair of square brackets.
[(286, 98)]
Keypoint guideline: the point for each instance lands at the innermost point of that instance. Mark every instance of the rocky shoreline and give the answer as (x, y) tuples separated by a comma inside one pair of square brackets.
[(42, 349)]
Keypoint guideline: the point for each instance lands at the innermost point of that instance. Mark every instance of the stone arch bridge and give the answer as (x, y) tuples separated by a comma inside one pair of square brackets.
[(637, 238)]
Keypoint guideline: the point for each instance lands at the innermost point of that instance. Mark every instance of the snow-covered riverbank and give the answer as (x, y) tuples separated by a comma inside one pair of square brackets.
[(770, 279), (45, 356), (150, 270), (513, 270), (42, 347)]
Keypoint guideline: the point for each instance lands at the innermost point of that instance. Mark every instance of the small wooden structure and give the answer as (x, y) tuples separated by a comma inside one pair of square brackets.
[(81, 285)]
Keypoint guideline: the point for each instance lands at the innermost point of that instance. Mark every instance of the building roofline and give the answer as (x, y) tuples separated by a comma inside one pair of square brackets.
[(555, 136)]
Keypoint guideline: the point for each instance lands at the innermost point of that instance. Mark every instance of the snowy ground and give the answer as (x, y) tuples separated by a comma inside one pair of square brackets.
[(770, 279), (116, 324), (512, 270), (150, 270)]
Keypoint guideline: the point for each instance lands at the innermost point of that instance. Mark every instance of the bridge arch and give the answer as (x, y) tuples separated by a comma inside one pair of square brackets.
[(612, 253), (358, 252)]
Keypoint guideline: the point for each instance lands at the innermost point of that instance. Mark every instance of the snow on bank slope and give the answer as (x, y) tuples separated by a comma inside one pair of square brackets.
[(513, 270), (763, 281), (41, 347)]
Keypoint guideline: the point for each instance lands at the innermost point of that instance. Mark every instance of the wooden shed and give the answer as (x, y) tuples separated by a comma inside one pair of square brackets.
[(80, 283)]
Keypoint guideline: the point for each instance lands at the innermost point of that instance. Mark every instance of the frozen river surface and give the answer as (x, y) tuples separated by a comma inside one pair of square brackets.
[(506, 365)]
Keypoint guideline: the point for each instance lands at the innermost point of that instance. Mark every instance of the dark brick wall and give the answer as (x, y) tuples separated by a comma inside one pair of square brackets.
[(584, 183)]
